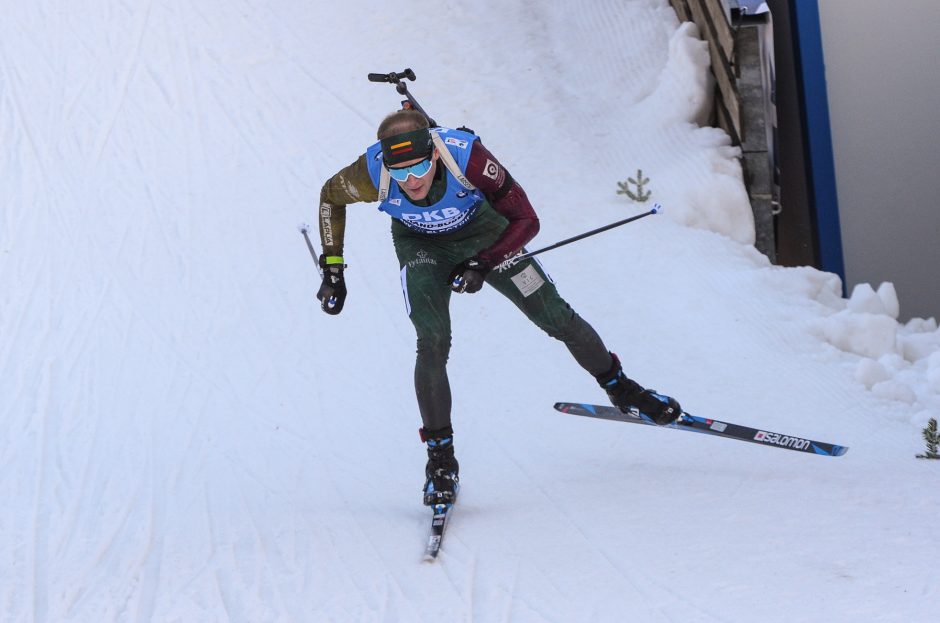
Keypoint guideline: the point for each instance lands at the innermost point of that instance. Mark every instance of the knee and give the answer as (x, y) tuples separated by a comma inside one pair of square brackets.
[(559, 323), (434, 346)]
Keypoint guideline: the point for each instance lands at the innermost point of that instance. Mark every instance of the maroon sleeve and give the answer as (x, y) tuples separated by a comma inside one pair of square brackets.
[(486, 173)]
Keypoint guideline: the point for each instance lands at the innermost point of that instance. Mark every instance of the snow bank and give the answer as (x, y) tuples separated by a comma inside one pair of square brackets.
[(895, 361), (705, 189)]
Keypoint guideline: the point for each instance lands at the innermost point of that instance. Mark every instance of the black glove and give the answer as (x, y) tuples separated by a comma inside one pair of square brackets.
[(468, 276), (332, 292)]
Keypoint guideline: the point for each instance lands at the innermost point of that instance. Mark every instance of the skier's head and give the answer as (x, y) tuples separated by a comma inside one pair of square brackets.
[(408, 151), (400, 121)]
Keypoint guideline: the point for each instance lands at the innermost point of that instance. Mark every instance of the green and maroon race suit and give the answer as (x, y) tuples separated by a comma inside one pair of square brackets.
[(497, 228)]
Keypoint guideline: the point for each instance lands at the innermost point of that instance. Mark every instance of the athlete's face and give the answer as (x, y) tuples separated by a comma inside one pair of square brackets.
[(417, 188)]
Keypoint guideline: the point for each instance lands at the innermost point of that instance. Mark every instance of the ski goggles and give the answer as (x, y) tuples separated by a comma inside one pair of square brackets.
[(419, 170)]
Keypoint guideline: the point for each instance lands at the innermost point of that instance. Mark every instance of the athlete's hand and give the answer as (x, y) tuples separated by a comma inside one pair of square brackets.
[(332, 292), (468, 276)]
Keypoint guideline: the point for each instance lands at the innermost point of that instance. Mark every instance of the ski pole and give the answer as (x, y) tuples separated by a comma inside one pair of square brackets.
[(304, 228), (402, 88), (656, 209)]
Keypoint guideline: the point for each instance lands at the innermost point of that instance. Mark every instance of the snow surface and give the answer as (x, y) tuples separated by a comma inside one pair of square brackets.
[(188, 438)]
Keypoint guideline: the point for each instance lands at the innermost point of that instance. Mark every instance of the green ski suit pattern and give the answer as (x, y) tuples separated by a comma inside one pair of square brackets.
[(426, 261)]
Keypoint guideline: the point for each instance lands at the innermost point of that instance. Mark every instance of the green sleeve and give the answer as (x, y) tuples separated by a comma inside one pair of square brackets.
[(351, 185)]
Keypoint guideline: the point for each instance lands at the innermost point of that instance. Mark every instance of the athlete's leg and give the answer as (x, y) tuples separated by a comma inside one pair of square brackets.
[(427, 299), (532, 291)]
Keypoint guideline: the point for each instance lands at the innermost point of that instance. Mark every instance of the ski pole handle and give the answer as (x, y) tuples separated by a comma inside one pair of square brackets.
[(304, 228)]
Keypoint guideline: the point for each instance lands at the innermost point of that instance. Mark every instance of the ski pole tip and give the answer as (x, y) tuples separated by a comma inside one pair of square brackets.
[(303, 228), (657, 208)]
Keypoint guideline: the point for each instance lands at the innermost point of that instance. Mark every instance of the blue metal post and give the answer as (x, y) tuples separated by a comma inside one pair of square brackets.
[(818, 139)]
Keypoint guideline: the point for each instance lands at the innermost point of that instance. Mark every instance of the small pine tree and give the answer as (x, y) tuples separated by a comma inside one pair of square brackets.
[(639, 182), (932, 437)]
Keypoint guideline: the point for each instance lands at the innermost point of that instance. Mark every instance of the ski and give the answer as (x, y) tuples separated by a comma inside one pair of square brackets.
[(436, 535), (693, 423)]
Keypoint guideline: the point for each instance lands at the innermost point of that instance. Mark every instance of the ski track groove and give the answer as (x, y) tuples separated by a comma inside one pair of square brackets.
[(23, 117), (171, 250), (564, 513), (40, 540), (130, 70), (102, 559), (237, 125), (351, 577), (220, 569), (199, 372), (153, 560), (319, 84), (195, 427), (511, 597), (266, 555), (364, 533), (223, 597), (84, 494), (67, 112), (470, 568), (42, 280)]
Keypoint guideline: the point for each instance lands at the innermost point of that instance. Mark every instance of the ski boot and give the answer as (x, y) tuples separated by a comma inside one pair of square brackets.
[(441, 472), (630, 397)]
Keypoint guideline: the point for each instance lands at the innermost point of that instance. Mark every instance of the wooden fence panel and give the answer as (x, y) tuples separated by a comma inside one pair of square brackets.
[(714, 28)]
